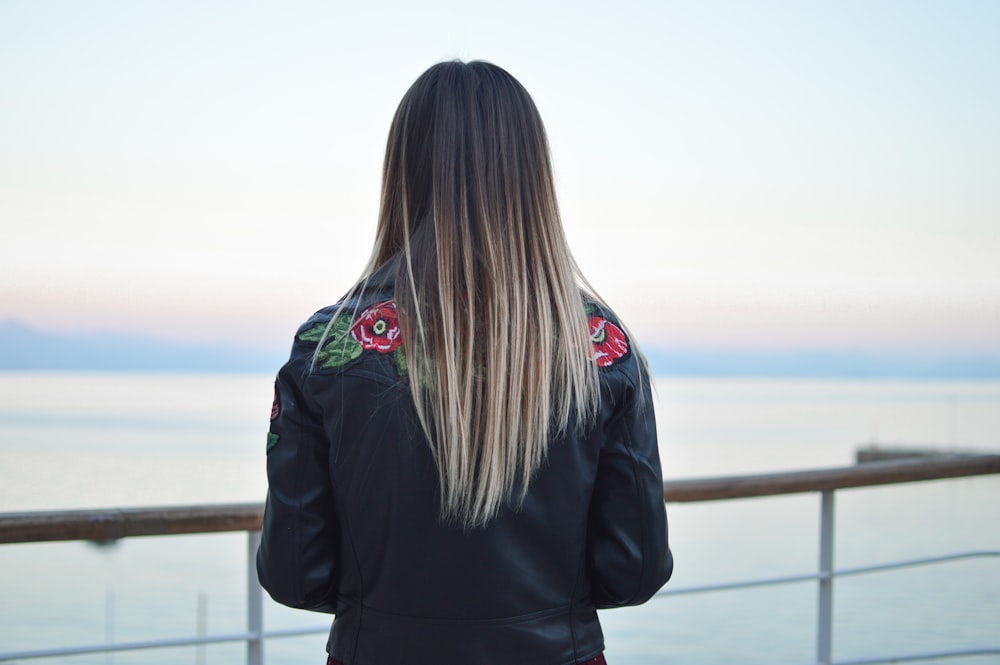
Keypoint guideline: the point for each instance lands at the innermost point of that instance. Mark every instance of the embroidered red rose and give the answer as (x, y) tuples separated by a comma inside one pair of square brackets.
[(378, 328), (609, 341)]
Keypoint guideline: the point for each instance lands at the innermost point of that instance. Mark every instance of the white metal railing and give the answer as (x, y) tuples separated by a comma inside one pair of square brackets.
[(120, 523), (254, 636), (825, 576)]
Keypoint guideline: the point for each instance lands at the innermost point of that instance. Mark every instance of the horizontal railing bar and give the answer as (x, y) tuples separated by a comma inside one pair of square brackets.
[(296, 632), (112, 524), (126, 646), (874, 568), (822, 480), (985, 651), (153, 644), (742, 584), (842, 572)]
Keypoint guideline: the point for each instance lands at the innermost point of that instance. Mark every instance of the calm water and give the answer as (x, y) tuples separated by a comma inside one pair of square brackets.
[(101, 440)]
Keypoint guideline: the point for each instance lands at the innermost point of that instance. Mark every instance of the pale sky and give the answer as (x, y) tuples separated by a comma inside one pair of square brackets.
[(740, 174)]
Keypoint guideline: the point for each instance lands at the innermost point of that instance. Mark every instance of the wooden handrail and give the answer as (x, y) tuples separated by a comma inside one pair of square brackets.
[(112, 524), (868, 474), (109, 524)]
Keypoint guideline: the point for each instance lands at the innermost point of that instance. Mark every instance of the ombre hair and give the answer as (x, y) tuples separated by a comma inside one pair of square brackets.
[(489, 298)]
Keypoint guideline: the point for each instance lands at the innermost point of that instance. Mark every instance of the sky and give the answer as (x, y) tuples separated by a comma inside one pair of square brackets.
[(748, 175)]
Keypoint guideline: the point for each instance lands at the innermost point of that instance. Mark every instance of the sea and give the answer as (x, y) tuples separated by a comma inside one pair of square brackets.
[(100, 440)]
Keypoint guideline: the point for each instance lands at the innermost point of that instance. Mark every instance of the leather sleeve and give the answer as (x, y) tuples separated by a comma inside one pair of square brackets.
[(628, 554), (295, 562)]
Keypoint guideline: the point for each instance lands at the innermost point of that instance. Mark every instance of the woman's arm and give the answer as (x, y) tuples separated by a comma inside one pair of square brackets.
[(295, 562), (628, 552)]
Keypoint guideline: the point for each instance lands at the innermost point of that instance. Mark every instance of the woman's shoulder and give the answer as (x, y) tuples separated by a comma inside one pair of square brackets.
[(612, 346), (342, 335)]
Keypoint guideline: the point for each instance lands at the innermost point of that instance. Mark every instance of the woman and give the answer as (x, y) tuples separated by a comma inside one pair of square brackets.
[(462, 456)]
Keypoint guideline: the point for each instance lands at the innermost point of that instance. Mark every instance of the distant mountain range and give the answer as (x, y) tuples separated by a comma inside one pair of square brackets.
[(828, 364), (25, 348)]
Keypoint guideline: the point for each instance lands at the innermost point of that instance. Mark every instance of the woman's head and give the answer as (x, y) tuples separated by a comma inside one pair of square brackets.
[(467, 161), (486, 288)]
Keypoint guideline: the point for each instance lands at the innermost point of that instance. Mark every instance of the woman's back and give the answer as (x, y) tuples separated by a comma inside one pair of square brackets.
[(455, 496)]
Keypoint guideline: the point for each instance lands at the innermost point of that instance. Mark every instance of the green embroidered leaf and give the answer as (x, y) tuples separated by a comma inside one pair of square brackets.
[(338, 352), (272, 441), (340, 348), (314, 334), (589, 308), (400, 357)]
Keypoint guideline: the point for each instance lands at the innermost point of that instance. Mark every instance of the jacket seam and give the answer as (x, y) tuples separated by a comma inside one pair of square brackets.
[(409, 618), (346, 533), (643, 518), (299, 592), (581, 571)]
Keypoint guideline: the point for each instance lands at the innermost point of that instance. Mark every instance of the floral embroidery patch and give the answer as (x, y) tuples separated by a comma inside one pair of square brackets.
[(609, 341), (377, 329), (275, 406)]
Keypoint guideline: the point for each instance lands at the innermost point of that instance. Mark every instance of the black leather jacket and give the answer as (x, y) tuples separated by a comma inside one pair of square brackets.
[(351, 521)]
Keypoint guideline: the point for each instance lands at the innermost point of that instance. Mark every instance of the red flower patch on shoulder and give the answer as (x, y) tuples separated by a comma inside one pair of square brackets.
[(378, 328), (609, 341)]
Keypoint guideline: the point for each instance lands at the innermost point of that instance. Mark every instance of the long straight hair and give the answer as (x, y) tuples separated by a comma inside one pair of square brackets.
[(487, 293)]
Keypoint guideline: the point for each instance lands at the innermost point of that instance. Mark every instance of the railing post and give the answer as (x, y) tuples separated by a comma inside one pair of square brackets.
[(824, 625), (255, 603)]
